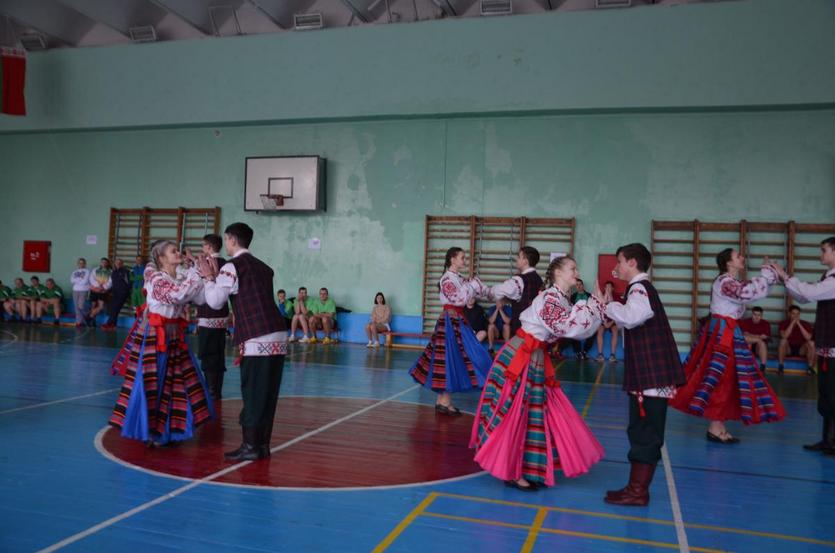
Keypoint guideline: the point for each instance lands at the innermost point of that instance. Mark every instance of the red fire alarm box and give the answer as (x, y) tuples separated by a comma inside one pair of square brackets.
[(36, 254)]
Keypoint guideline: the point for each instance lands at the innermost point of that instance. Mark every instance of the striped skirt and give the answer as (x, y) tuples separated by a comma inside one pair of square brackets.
[(525, 429), (453, 360), (164, 396), (723, 382)]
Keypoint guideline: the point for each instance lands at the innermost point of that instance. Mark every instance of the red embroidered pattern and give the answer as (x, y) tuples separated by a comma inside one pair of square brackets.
[(552, 312), (739, 289), (449, 289), (161, 290)]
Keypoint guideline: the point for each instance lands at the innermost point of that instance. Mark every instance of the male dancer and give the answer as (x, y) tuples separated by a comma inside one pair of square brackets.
[(260, 334), (651, 373), (211, 328)]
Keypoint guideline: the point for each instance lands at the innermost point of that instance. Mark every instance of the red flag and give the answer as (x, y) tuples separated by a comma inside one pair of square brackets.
[(14, 79)]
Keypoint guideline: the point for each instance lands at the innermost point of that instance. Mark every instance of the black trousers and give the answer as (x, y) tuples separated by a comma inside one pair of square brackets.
[(117, 301), (211, 350), (646, 434), (584, 345), (826, 387), (260, 383)]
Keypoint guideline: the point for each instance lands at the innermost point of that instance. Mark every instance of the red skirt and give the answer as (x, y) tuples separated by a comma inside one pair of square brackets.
[(723, 382)]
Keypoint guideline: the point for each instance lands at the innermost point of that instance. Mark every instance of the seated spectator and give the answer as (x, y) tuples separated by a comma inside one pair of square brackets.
[(52, 296), (100, 283), (121, 290), (301, 315), (757, 334), (581, 347), (474, 314), (323, 317), (6, 300), (35, 299), (285, 307), (498, 323), (380, 320), (795, 340), (22, 296), (608, 324)]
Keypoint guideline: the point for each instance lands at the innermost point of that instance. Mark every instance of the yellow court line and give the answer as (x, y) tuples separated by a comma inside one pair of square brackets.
[(619, 539), (393, 535), (594, 388), (528, 542), (696, 526), (534, 531)]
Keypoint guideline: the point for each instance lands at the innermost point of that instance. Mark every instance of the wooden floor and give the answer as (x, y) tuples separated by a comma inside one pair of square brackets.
[(362, 463)]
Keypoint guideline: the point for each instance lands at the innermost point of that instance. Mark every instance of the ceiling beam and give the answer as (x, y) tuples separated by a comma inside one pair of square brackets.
[(266, 13), (100, 11), (186, 12), (357, 13), (49, 18)]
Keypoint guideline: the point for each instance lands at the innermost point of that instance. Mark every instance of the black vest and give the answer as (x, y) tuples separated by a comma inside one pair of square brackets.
[(533, 284), (256, 313), (205, 311), (825, 322), (651, 355)]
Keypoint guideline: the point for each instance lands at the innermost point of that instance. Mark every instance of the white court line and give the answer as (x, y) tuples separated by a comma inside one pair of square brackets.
[(181, 490), (14, 336), (47, 403), (98, 443), (683, 546)]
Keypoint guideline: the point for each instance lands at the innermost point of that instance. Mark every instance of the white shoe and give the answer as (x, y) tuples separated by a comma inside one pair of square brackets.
[(304, 340), (369, 344), (291, 339), (375, 345)]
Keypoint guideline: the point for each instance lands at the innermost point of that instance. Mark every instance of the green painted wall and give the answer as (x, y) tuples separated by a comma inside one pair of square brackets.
[(743, 53), (614, 173)]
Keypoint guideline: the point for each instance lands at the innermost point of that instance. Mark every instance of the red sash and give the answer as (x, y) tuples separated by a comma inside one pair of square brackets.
[(457, 308), (522, 358), (158, 322)]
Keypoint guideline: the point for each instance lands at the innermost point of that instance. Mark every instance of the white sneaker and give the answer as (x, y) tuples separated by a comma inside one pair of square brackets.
[(369, 344), (291, 339), (304, 340), (375, 345)]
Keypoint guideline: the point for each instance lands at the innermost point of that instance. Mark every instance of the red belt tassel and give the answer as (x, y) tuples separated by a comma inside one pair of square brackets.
[(641, 411), (159, 322)]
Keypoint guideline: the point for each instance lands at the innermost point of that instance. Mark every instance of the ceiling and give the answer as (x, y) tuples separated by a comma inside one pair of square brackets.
[(80, 23)]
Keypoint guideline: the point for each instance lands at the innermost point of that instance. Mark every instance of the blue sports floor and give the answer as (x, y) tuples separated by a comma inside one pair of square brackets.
[(59, 492)]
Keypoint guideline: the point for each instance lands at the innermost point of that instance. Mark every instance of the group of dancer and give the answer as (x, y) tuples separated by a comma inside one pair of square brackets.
[(165, 395), (525, 427)]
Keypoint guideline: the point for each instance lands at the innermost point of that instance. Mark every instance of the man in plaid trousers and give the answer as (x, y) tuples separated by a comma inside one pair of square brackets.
[(651, 374), (260, 335)]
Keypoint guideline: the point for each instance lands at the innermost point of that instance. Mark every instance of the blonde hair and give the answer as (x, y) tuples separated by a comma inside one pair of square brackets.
[(554, 265), (158, 249)]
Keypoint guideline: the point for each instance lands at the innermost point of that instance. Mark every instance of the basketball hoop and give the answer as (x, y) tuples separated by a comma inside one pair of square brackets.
[(272, 201)]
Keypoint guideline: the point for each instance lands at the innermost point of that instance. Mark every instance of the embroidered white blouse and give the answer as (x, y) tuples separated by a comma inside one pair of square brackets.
[(552, 316), (168, 296), (805, 292), (730, 295), (512, 288), (457, 290)]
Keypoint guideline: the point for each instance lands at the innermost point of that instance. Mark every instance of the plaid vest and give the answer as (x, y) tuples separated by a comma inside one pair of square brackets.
[(652, 359), (825, 322), (205, 311), (533, 284), (256, 313)]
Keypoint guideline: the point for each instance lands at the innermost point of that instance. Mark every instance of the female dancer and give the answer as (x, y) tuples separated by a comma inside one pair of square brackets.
[(525, 426), (723, 382), (454, 360), (164, 396)]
